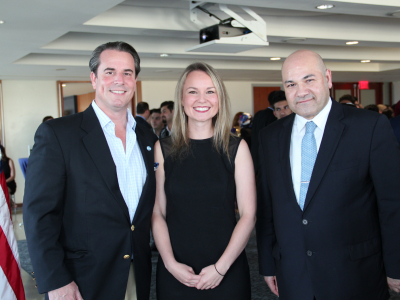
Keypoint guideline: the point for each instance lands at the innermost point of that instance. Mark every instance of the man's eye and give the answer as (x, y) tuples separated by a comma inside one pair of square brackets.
[(290, 85)]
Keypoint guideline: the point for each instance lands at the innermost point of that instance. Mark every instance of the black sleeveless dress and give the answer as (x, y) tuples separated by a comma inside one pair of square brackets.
[(201, 193)]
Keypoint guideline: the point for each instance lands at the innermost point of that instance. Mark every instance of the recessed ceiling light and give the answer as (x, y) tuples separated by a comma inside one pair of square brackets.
[(294, 40), (63, 85), (2, 22), (325, 6), (275, 58), (352, 43), (164, 55), (365, 61)]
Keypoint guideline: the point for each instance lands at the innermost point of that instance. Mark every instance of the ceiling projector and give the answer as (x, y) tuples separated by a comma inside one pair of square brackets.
[(232, 35)]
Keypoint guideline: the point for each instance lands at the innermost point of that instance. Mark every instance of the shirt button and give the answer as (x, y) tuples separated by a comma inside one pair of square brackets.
[(126, 256), (309, 253), (132, 227), (305, 222)]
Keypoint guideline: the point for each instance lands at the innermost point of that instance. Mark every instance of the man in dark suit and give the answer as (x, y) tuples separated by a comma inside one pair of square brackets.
[(142, 114), (261, 120), (90, 190), (328, 198)]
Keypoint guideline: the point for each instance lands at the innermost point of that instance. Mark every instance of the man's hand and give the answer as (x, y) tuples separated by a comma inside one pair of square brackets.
[(68, 292), (394, 284), (272, 284)]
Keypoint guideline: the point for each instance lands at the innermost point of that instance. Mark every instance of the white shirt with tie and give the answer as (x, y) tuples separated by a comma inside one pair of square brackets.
[(298, 132)]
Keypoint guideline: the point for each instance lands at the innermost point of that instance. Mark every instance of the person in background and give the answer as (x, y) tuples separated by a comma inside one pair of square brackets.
[(142, 114), (7, 165), (395, 122), (280, 105), (47, 118), (246, 122), (347, 99), (202, 169), (373, 107), (261, 119), (236, 123), (167, 114), (156, 121)]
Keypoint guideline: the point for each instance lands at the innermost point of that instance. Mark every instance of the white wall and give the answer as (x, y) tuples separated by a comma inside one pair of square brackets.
[(240, 93), (25, 104)]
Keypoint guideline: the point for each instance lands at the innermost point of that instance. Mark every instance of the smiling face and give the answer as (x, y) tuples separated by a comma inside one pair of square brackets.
[(307, 83), (115, 82), (199, 98)]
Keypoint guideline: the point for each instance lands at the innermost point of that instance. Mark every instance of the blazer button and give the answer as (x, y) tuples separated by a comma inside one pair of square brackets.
[(132, 227), (309, 253), (126, 256), (305, 222)]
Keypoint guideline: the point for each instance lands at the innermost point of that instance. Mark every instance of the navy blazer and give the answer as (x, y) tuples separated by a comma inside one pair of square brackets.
[(76, 221), (345, 241)]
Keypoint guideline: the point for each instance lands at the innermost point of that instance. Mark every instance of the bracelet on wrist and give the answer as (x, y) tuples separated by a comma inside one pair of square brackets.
[(217, 270)]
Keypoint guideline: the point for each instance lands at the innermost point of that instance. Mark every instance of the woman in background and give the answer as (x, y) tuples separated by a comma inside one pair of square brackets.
[(7, 165), (202, 169)]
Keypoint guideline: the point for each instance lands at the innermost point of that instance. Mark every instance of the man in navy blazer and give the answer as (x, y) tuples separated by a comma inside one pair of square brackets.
[(90, 190), (342, 242)]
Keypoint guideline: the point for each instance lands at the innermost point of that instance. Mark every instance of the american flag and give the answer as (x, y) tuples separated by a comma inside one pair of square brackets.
[(11, 287)]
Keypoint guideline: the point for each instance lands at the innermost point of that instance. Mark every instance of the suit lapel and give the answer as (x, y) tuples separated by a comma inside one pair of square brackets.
[(96, 144), (330, 140), (146, 147), (284, 149)]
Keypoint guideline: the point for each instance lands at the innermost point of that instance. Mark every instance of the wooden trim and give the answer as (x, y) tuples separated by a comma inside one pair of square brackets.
[(60, 94), (139, 91), (390, 93)]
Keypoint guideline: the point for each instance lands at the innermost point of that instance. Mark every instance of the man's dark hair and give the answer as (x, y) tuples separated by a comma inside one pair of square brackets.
[(155, 110), (141, 107), (347, 97), (169, 104), (119, 46), (372, 107), (47, 118), (275, 97)]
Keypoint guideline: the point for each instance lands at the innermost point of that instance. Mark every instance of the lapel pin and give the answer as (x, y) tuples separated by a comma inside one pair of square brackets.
[(156, 165), (148, 148)]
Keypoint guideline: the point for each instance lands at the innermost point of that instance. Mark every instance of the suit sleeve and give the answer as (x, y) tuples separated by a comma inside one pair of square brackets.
[(265, 225), (43, 210), (385, 173)]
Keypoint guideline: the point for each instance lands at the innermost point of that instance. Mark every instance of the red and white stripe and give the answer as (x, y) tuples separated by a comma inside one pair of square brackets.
[(11, 287)]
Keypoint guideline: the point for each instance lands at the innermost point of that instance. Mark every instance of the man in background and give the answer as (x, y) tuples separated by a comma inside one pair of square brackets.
[(142, 114), (280, 105), (156, 121), (167, 114)]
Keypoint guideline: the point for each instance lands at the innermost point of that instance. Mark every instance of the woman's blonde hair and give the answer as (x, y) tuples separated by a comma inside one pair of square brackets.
[(221, 121)]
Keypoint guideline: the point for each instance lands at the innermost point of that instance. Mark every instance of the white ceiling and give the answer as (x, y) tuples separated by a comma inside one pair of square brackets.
[(46, 39)]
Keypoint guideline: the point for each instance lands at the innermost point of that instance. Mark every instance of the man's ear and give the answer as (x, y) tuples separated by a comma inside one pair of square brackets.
[(274, 113), (93, 79)]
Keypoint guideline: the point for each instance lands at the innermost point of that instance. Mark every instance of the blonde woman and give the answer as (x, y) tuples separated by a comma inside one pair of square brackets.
[(201, 170)]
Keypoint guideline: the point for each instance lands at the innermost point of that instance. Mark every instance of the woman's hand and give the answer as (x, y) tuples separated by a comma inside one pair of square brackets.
[(209, 278), (184, 274)]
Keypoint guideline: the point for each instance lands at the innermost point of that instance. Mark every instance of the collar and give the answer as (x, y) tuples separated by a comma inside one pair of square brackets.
[(105, 120), (319, 120)]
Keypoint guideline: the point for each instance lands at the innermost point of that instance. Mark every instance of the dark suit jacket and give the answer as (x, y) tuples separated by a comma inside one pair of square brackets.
[(346, 240), (261, 119), (395, 122), (142, 121), (76, 221)]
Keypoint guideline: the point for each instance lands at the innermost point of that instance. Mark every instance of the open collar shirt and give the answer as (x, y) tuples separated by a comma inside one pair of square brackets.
[(131, 170)]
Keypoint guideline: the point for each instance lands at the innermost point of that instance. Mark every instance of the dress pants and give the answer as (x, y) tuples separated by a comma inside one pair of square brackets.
[(131, 286)]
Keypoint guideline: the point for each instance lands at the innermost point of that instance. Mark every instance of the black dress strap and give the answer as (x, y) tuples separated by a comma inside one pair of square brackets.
[(166, 147)]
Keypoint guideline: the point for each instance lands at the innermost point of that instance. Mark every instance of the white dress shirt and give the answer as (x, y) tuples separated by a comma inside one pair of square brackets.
[(298, 132), (131, 170)]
